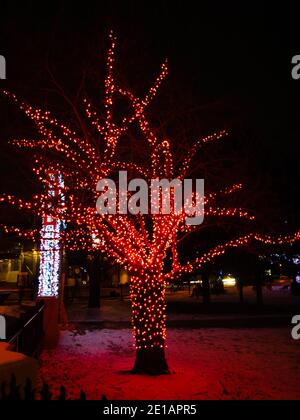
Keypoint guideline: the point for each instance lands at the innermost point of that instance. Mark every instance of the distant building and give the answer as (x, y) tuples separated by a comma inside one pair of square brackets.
[(15, 264)]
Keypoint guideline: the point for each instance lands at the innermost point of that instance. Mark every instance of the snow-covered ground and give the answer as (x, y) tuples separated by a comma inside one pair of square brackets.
[(205, 364)]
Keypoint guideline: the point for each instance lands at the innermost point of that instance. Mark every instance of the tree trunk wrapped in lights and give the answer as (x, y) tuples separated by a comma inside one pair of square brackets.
[(147, 246), (149, 323)]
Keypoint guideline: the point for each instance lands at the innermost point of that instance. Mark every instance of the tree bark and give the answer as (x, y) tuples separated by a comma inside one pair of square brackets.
[(95, 273), (151, 361), (149, 325), (259, 294), (206, 288), (241, 294)]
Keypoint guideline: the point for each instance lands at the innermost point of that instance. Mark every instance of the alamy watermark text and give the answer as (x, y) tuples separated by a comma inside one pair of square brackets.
[(159, 197), (2, 328), (2, 67)]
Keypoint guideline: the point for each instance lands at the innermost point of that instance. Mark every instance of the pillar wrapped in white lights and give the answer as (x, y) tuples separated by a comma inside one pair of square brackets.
[(50, 248)]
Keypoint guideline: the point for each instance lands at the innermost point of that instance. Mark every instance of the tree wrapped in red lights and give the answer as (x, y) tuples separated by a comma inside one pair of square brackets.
[(146, 245)]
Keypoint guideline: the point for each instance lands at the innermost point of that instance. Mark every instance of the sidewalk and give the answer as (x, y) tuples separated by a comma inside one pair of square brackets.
[(184, 311)]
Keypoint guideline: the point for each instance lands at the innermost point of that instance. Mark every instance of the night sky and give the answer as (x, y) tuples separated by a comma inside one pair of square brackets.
[(230, 62)]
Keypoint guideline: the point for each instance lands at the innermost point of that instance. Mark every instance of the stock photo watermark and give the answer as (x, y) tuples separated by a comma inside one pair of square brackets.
[(296, 67), (2, 67), (160, 197), (2, 328), (296, 328)]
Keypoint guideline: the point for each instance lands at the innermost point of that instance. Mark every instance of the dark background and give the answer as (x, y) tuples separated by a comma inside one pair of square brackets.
[(230, 65)]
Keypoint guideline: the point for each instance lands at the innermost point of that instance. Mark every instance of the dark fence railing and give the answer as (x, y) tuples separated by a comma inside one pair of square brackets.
[(28, 339), (14, 392)]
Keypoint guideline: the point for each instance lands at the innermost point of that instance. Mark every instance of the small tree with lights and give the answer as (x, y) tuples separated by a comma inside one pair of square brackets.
[(146, 245)]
